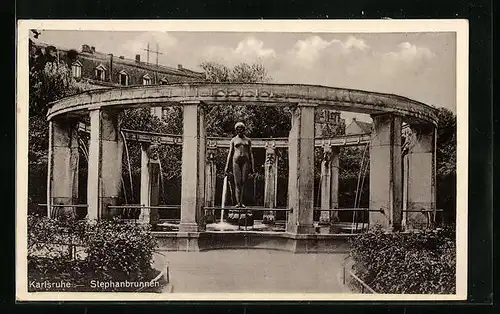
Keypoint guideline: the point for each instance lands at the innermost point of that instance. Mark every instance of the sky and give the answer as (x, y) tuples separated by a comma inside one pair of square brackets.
[(420, 66)]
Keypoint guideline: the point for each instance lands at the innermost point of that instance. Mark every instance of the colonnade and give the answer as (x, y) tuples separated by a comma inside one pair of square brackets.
[(388, 203)]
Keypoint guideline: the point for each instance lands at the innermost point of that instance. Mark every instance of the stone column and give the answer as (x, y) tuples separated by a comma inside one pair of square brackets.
[(210, 181), (63, 167), (105, 163), (329, 183), (193, 167), (334, 179), (326, 184), (301, 170), (154, 184), (385, 171), (270, 183), (145, 186), (421, 176), (405, 191), (157, 112)]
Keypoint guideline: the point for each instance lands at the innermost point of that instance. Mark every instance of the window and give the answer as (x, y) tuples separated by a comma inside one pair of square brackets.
[(76, 69), (146, 80), (123, 78), (100, 73), (163, 81)]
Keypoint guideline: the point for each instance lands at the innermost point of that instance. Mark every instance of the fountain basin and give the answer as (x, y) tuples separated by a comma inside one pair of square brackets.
[(239, 239)]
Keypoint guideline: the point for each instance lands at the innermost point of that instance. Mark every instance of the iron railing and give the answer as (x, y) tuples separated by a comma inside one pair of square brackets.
[(359, 223), (357, 282)]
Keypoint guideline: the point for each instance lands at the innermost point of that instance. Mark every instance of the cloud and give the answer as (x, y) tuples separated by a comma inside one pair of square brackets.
[(353, 43), (409, 52), (253, 47), (314, 47), (249, 49)]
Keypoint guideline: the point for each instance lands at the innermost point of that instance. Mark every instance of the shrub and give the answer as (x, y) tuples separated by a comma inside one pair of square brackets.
[(422, 261), (54, 237), (110, 250), (119, 249)]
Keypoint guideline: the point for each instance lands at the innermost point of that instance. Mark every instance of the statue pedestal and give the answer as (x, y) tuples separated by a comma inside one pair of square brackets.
[(240, 219)]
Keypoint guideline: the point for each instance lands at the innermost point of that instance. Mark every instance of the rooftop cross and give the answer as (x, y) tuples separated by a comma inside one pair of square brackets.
[(157, 52)]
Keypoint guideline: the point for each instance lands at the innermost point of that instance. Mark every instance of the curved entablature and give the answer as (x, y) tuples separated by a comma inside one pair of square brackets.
[(248, 94), (221, 142)]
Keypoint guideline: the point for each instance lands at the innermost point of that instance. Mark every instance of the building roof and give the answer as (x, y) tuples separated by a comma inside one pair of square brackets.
[(365, 127), (100, 56)]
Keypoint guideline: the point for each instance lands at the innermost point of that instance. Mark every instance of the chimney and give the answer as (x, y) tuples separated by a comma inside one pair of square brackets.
[(110, 67), (354, 119), (137, 58), (93, 48), (179, 67)]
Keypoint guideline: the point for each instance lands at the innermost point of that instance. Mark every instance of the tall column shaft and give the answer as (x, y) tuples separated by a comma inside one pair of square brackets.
[(63, 167), (329, 183), (145, 184), (326, 184), (105, 163), (154, 190), (334, 178), (270, 183), (301, 170), (385, 171), (193, 167), (421, 176)]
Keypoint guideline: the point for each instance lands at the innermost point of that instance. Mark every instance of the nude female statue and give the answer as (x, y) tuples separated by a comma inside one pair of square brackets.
[(240, 153)]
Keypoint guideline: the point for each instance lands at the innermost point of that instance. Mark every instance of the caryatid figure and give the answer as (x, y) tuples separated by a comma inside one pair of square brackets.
[(240, 154)]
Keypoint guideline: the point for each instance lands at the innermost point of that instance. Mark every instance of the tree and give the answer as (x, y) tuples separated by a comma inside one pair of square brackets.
[(49, 80), (446, 160), (240, 73)]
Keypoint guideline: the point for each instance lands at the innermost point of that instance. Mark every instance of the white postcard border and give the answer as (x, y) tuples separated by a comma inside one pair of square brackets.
[(460, 27)]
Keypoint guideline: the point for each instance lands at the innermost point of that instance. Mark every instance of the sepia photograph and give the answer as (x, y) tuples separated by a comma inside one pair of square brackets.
[(241, 160)]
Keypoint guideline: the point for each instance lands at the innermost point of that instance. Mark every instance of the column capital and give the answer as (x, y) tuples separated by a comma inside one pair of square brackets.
[(294, 106), (211, 144), (270, 146), (199, 103), (327, 153), (270, 155)]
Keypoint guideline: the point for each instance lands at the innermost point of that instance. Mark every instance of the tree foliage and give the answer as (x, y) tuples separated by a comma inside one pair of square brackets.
[(446, 160), (240, 73), (49, 80), (446, 143)]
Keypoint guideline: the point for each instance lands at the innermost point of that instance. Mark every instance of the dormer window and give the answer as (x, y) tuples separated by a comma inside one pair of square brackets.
[(76, 69), (123, 78), (100, 72), (146, 80)]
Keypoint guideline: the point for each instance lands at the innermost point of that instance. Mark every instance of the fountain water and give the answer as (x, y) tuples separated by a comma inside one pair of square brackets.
[(224, 192), (162, 185), (222, 225), (128, 162)]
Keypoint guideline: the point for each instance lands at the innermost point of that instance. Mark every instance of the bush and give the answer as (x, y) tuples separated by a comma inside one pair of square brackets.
[(420, 262), (109, 251), (119, 249), (54, 237)]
